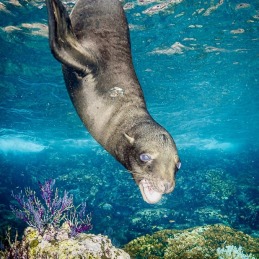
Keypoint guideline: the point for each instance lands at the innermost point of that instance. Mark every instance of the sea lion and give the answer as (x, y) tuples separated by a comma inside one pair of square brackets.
[(94, 48)]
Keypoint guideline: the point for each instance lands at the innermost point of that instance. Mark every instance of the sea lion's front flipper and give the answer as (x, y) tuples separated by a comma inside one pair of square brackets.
[(63, 42)]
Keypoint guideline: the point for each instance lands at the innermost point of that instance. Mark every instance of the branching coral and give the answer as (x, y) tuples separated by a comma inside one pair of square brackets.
[(233, 252)]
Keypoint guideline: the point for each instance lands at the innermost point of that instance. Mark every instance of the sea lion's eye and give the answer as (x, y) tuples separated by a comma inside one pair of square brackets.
[(145, 157)]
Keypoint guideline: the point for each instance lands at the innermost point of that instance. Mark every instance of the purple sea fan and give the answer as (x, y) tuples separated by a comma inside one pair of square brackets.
[(52, 212), (78, 221), (47, 191), (31, 210)]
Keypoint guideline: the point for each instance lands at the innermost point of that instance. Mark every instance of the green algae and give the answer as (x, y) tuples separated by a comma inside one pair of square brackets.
[(199, 242)]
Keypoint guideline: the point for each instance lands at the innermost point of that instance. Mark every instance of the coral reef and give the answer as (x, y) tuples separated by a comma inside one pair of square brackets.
[(199, 242), (57, 244)]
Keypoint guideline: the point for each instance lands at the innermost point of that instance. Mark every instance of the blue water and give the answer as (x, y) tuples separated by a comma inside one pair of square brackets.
[(198, 67)]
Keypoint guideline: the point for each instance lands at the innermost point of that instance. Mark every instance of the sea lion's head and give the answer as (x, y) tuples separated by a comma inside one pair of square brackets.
[(153, 160)]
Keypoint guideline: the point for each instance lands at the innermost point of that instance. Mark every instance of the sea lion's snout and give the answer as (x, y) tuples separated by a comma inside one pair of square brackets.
[(152, 187), (152, 190)]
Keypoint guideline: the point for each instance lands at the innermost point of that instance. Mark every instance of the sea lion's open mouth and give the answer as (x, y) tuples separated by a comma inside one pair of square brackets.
[(148, 193)]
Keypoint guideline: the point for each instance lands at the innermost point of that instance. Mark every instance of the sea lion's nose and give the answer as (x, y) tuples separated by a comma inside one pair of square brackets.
[(168, 187)]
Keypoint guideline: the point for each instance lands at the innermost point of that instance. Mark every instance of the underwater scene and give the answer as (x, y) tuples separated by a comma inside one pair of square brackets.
[(198, 65)]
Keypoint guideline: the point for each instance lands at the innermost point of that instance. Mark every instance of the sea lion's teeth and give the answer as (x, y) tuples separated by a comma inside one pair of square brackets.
[(149, 194)]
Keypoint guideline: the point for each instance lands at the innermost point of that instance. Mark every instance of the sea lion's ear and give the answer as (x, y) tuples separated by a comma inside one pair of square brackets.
[(130, 139), (177, 161), (63, 42)]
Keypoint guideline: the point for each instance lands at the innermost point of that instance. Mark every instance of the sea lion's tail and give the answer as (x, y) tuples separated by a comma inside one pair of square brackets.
[(63, 42)]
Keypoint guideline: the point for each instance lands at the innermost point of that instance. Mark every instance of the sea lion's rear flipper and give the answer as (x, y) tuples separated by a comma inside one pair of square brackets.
[(63, 42)]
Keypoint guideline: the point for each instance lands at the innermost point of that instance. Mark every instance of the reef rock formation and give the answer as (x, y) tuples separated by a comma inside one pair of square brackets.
[(214, 241), (57, 244)]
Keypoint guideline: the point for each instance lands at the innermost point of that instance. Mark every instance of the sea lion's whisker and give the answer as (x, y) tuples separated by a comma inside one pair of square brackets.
[(135, 173)]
